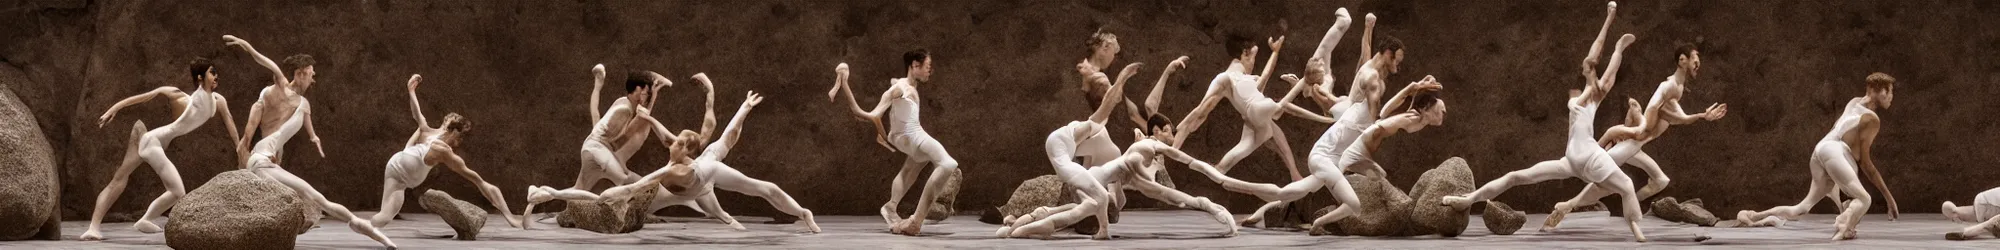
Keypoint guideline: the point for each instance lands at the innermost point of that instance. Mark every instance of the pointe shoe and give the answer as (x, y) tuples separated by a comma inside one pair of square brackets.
[(146, 226)]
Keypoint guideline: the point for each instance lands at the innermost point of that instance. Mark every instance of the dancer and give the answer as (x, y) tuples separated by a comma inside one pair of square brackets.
[(1622, 142), (1419, 107), (431, 146), (191, 111), (1104, 49), (619, 131), (1985, 211), (276, 103), (1260, 113), (905, 135), (707, 172), (1044, 221), (263, 163), (1835, 161), (1583, 158)]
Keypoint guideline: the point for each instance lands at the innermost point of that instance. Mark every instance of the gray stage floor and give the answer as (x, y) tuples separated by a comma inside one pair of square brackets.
[(1138, 229)]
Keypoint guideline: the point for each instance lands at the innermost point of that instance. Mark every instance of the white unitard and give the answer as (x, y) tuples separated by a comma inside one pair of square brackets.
[(1582, 159), (1833, 173), (150, 148), (261, 162), (1117, 171), (710, 173), (907, 135)]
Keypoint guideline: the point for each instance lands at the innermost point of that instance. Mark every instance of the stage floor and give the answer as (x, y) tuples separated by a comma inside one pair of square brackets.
[(1137, 229)]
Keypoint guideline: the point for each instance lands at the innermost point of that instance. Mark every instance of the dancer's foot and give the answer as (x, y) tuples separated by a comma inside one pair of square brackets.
[(365, 228), (1951, 211), (146, 226), (1556, 216), (1004, 232), (1745, 217), (811, 225), (515, 221), (911, 227), (1456, 202), (1636, 234), (91, 234), (889, 216)]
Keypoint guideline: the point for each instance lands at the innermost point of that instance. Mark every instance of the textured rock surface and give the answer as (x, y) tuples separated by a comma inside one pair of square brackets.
[(1040, 191), (1384, 210), (1502, 219), (611, 215), (999, 84), (1452, 177), (1689, 212), (237, 210), (464, 217), (28, 200)]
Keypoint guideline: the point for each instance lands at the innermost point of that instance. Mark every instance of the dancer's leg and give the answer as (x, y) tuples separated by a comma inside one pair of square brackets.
[(1657, 179), (945, 166), (1324, 172), (1842, 173), (1820, 188), (1343, 192), (361, 226), (170, 177), (901, 185), (1244, 145), (1274, 138), (392, 199), (728, 178), (1621, 184), (1540, 172), (1975, 230), (1094, 194), (1045, 227), (1183, 200), (116, 187)]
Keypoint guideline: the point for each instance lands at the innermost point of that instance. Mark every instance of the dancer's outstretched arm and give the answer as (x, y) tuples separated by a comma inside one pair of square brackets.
[(1114, 95), (1367, 38), (735, 130), (596, 83), (1294, 109), (170, 92), (708, 109), (311, 134), (417, 110), (1871, 125), (222, 108), (872, 116), (277, 75), (1160, 87), (1217, 90), (1277, 45)]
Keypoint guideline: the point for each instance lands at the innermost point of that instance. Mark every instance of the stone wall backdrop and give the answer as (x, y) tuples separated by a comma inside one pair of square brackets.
[(520, 70)]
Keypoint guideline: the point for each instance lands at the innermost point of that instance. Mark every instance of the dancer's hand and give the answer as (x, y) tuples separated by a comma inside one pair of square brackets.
[(317, 147), (230, 40), (752, 100), (597, 71), (1276, 43), (1715, 111), (106, 118), (840, 71), (415, 79), (1370, 20), (1178, 63), (1294, 79)]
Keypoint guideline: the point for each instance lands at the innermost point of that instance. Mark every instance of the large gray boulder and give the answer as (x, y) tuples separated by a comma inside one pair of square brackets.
[(1451, 178), (1502, 219), (237, 210), (1383, 210), (464, 217), (1689, 212), (28, 200), (609, 214)]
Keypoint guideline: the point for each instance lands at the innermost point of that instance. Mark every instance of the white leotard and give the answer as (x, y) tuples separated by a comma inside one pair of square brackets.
[(1344, 131), (408, 166), (1987, 204), (1582, 153), (903, 115), (200, 107)]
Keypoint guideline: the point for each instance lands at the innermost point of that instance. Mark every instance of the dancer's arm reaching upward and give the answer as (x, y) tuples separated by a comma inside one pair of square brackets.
[(1294, 109), (708, 113), (596, 83), (277, 75), (1277, 45), (1217, 90), (873, 116), (1114, 95), (1395, 103), (730, 134)]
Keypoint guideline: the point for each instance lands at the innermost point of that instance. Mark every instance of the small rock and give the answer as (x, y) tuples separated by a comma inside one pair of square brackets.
[(464, 217), (1503, 220), (1690, 212), (237, 210)]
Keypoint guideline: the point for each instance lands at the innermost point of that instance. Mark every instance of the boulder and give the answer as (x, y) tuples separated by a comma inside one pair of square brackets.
[(1041, 191), (609, 214), (1689, 212), (1383, 210), (237, 210), (1451, 178), (1502, 219), (464, 217), (28, 201)]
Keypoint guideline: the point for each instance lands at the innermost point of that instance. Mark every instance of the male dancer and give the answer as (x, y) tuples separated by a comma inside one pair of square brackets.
[(1420, 107), (1044, 221), (275, 103), (149, 147), (1834, 164), (905, 134), (431, 146), (1622, 142), (263, 162), (1583, 158), (1260, 113), (1985, 211)]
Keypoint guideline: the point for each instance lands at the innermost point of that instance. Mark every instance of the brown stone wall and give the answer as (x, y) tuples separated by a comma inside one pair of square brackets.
[(520, 70)]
